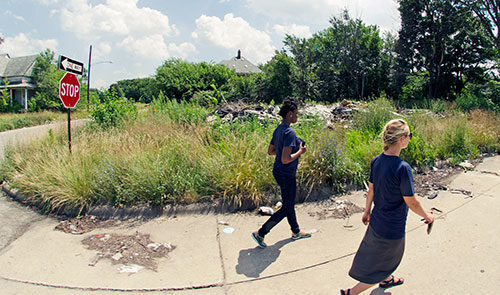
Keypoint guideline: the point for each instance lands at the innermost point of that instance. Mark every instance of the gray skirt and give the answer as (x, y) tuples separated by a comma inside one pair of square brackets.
[(377, 258)]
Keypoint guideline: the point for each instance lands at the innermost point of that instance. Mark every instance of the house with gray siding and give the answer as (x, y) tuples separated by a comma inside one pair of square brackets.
[(17, 72)]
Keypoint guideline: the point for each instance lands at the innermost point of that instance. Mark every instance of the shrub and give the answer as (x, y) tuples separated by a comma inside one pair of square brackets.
[(470, 100), (112, 110)]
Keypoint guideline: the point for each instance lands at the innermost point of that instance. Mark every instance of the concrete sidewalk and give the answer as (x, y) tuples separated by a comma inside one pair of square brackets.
[(460, 256)]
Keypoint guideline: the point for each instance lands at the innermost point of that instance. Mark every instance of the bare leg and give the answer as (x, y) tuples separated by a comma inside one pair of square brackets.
[(359, 287)]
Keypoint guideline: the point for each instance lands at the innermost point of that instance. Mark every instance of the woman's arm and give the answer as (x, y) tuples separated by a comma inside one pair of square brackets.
[(288, 157), (416, 207), (368, 207), (271, 150)]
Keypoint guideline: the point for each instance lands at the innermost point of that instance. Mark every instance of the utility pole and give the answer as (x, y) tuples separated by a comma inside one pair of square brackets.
[(88, 78)]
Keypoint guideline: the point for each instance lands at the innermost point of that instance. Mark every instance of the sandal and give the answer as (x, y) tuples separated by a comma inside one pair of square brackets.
[(259, 240), (391, 282), (342, 292), (300, 235)]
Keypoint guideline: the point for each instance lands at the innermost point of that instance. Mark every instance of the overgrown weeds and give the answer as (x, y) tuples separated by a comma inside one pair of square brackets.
[(170, 154)]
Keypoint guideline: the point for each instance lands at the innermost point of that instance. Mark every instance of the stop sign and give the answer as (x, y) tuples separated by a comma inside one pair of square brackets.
[(69, 90)]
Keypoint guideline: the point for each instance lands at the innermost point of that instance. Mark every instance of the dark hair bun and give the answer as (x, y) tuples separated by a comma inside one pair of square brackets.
[(289, 105)]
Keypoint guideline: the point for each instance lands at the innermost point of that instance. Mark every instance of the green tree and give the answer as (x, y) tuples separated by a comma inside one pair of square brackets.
[(342, 61), (4, 96), (443, 40), (46, 77), (180, 80), (139, 90), (488, 13), (278, 77)]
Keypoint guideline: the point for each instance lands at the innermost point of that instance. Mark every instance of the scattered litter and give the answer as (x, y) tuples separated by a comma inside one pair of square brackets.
[(312, 231), (94, 260), (433, 195), (461, 191), (278, 206), (228, 230), (466, 165), (137, 249), (266, 210), (132, 268), (223, 222), (436, 209)]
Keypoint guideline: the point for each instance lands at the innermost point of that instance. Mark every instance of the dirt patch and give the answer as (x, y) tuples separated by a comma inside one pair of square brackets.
[(130, 250), (339, 209), (83, 224)]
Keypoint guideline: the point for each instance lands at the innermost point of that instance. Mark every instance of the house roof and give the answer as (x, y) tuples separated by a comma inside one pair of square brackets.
[(16, 66), (240, 65)]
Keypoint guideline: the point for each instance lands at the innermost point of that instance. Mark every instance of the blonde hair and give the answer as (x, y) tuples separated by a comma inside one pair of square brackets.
[(393, 131)]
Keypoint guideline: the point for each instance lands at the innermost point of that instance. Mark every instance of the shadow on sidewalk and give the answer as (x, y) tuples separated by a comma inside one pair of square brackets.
[(252, 262), (380, 291)]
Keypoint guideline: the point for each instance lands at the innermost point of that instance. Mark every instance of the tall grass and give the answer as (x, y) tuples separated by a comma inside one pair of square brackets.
[(170, 154)]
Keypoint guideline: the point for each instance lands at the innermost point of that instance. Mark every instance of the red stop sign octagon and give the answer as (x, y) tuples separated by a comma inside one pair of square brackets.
[(69, 90)]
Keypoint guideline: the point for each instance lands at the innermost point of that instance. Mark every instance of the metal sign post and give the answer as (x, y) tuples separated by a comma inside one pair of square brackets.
[(69, 88)]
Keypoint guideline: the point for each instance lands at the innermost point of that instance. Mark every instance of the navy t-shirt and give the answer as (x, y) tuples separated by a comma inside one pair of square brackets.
[(392, 179), (284, 136)]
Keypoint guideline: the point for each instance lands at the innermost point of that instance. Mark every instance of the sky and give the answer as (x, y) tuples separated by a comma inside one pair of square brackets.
[(132, 38)]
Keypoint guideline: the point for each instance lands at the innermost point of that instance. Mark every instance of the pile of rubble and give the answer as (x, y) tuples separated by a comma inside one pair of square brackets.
[(239, 110), (133, 251)]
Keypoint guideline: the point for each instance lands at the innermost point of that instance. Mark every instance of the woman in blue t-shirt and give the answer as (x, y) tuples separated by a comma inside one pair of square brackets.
[(392, 192), (287, 148)]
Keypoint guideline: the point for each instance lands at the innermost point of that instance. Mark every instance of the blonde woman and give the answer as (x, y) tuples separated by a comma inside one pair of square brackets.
[(392, 192)]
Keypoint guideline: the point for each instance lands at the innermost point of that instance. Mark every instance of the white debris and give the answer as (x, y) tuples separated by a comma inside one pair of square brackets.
[(132, 268), (117, 256), (228, 230), (266, 210)]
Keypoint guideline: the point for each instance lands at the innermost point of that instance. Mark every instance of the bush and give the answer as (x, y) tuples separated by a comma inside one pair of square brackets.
[(478, 97), (112, 110)]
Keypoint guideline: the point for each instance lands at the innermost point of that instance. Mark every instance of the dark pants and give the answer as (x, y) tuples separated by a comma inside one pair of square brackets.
[(288, 185)]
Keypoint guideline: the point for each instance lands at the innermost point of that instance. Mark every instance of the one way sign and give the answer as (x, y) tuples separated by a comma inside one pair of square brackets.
[(70, 65)]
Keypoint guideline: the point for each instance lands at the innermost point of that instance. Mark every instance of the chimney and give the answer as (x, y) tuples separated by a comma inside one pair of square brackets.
[(239, 54)]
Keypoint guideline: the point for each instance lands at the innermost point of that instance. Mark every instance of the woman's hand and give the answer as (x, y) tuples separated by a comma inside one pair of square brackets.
[(302, 148), (429, 218), (366, 217)]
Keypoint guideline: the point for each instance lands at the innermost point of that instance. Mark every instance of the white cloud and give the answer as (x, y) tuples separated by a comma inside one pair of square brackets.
[(48, 2), (117, 17), (183, 50), (235, 33), (9, 13), (154, 47), (22, 44), (296, 30), (102, 49), (380, 12)]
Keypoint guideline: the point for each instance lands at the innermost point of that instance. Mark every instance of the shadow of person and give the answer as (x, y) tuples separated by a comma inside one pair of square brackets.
[(380, 291), (252, 262)]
